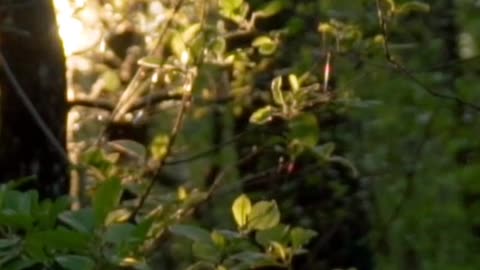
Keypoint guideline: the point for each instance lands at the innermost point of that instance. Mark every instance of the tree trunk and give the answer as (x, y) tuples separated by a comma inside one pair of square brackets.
[(34, 54)]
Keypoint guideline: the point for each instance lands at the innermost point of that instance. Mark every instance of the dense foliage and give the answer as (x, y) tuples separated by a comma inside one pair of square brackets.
[(279, 134)]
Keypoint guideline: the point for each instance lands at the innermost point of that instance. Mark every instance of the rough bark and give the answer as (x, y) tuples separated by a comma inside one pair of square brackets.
[(34, 52)]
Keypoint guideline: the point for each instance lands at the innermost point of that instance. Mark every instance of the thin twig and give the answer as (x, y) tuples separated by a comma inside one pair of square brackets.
[(132, 92), (399, 67), (208, 151), (412, 171), (168, 149), (218, 180)]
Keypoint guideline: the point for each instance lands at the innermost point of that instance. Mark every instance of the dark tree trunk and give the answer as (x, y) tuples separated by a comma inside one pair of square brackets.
[(34, 54)]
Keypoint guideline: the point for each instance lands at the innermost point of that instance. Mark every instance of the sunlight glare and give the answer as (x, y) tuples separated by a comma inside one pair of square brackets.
[(72, 30)]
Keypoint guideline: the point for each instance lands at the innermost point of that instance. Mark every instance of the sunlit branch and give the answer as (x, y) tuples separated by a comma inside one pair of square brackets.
[(146, 101)]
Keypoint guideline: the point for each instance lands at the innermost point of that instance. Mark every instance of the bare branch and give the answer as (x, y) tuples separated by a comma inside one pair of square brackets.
[(404, 71), (186, 100)]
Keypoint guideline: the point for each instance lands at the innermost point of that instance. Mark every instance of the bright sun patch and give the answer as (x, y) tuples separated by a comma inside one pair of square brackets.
[(72, 25)]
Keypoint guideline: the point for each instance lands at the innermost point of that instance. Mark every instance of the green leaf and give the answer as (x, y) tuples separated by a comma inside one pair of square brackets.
[(230, 235), (242, 11), (345, 162), (195, 197), (278, 234), (294, 83), (295, 25), (34, 248), (262, 115), (301, 237), (16, 220), (191, 32), (106, 198), (261, 40), (305, 129), (118, 233), (219, 45), (326, 28), (264, 215), (82, 220), (273, 7), (267, 49), (325, 151), (117, 216), (111, 80), (60, 239), (390, 5), (194, 233), (202, 266), (241, 208), (150, 62), (97, 159), (218, 239), (412, 6), (75, 262), (9, 242), (159, 145), (206, 251), (60, 205), (177, 45), (280, 251), (19, 202), (130, 148), (265, 45), (140, 233), (7, 256), (20, 264), (253, 259), (277, 93), (230, 5)]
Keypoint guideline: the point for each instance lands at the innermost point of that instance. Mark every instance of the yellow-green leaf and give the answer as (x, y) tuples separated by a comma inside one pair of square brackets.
[(301, 237), (264, 215), (230, 5), (150, 62), (273, 7), (279, 250), (262, 115), (277, 91), (241, 208), (413, 6), (111, 80), (265, 45), (294, 84), (191, 32), (177, 45)]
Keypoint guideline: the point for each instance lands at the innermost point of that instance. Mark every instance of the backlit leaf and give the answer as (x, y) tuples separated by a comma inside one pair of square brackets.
[(301, 237), (264, 215), (241, 208), (262, 115), (272, 8)]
